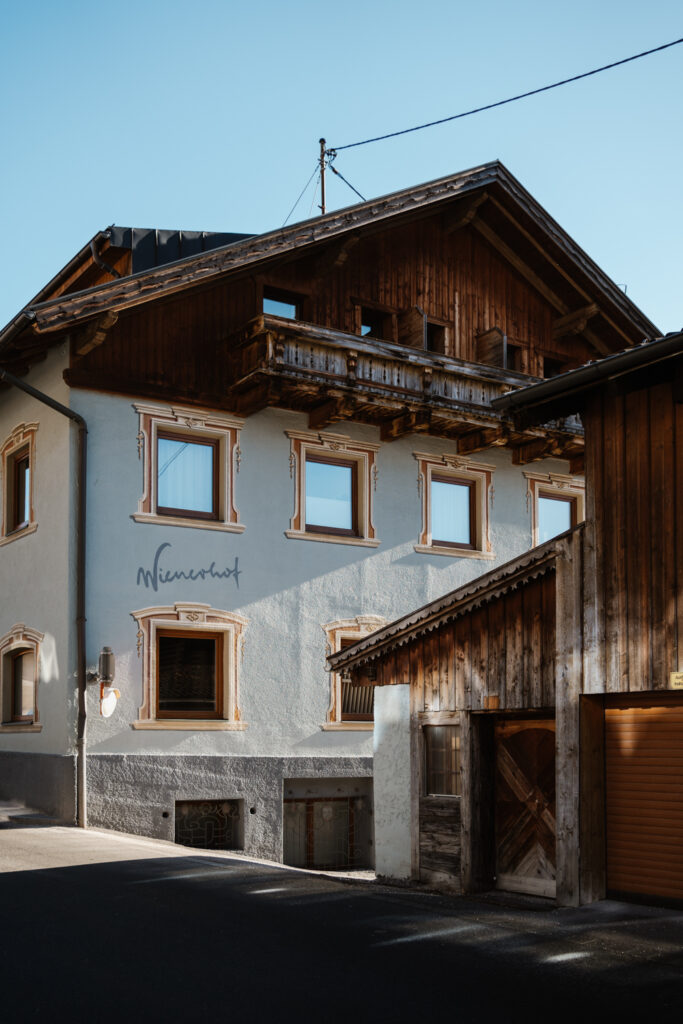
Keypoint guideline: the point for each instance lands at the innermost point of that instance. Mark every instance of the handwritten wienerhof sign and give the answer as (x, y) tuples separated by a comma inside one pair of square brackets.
[(158, 575)]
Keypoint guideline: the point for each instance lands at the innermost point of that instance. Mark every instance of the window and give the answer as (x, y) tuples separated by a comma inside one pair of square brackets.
[(190, 459), (19, 662), (17, 460), (435, 339), (442, 760), (190, 654), (334, 481), (557, 504), (351, 707), (277, 302), (455, 498), (376, 323)]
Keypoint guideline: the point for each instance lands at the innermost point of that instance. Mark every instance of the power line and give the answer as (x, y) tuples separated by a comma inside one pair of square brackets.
[(340, 175), (511, 99), (315, 171)]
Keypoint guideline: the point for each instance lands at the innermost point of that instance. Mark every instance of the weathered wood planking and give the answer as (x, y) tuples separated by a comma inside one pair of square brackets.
[(440, 836)]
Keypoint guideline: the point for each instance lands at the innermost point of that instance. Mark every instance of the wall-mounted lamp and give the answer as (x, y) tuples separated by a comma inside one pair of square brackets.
[(106, 670)]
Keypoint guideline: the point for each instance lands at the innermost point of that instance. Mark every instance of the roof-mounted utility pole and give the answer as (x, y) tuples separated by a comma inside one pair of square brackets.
[(322, 175)]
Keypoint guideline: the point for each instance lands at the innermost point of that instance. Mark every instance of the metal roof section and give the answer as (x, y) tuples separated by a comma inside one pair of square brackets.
[(152, 247), (538, 402), (493, 179), (456, 603)]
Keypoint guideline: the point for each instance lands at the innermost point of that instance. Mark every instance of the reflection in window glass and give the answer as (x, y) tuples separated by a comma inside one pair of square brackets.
[(451, 512), (555, 515), (442, 760), (185, 475), (329, 495)]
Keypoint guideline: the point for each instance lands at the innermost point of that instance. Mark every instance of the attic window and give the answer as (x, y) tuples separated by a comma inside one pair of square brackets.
[(436, 338), (282, 303), (376, 323), (513, 357)]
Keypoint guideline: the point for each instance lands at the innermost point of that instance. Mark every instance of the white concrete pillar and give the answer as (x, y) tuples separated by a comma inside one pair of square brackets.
[(392, 782)]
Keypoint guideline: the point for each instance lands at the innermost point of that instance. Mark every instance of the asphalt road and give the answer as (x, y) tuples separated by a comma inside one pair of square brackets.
[(100, 927)]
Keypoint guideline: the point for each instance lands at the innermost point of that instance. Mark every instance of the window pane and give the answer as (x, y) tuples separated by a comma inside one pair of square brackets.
[(23, 685), (187, 673), (329, 490), (278, 307), (554, 516), (451, 512), (442, 755), (185, 475), (22, 492)]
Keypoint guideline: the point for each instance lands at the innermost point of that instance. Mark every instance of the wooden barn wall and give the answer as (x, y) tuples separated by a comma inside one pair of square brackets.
[(456, 279), (634, 471), (504, 649)]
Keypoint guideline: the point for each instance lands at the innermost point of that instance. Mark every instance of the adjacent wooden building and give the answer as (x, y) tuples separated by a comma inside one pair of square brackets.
[(545, 724)]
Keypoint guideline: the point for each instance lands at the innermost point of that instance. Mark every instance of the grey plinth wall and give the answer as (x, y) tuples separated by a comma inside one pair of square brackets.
[(137, 792), (44, 782)]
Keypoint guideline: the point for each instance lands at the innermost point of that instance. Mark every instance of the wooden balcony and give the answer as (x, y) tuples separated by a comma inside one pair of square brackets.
[(336, 376)]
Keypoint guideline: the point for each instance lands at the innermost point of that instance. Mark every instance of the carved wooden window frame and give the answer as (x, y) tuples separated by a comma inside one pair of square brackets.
[(335, 634), (477, 475), (206, 427), (190, 618), (21, 443), (20, 639), (558, 485), (334, 449)]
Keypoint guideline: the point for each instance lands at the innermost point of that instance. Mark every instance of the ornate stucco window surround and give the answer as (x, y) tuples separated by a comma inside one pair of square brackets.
[(345, 516), (347, 704), (472, 482), (210, 433), (17, 466), (569, 492), (193, 622), (19, 675)]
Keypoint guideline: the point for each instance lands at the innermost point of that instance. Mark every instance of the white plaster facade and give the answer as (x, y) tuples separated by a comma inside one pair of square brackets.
[(288, 591)]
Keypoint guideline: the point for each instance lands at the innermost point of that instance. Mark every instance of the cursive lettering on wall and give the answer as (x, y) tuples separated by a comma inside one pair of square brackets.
[(156, 575)]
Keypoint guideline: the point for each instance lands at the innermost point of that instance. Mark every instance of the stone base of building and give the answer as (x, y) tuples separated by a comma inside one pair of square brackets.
[(306, 811), (44, 782)]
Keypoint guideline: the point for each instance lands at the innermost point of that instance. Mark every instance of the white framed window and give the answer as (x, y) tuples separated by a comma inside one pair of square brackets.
[(189, 459), (351, 707), (190, 657), (17, 465), (334, 482), (455, 495), (19, 675), (557, 503)]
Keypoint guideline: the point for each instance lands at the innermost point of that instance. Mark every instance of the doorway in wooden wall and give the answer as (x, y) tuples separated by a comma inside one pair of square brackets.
[(525, 806)]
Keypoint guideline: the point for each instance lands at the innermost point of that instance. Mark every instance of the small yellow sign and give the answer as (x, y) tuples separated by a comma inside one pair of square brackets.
[(676, 680)]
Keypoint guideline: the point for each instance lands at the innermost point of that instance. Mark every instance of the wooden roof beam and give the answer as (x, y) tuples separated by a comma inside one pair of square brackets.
[(521, 267), (575, 322), (336, 408), (407, 422), (539, 448), (462, 213), (95, 333), (479, 440), (336, 254)]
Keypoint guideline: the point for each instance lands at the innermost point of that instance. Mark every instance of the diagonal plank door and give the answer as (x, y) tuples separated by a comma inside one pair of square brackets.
[(525, 806)]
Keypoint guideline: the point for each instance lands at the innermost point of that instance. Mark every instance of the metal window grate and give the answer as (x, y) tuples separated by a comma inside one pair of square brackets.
[(209, 824)]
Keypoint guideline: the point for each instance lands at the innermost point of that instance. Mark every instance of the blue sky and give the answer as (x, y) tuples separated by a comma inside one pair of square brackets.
[(207, 115)]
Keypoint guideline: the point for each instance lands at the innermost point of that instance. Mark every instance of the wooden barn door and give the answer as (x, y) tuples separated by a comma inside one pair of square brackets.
[(525, 806)]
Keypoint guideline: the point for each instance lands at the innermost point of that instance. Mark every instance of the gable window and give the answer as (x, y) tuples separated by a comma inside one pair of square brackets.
[(442, 760), (17, 458), (19, 662), (278, 302), (455, 497), (190, 655), (351, 707), (331, 495), (334, 481), (187, 476), (557, 504), (435, 338), (376, 323), (190, 459)]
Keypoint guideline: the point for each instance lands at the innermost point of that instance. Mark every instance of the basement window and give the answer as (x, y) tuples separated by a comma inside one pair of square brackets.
[(209, 824)]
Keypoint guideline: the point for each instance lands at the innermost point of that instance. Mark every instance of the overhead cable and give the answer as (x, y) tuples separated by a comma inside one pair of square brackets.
[(501, 103)]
